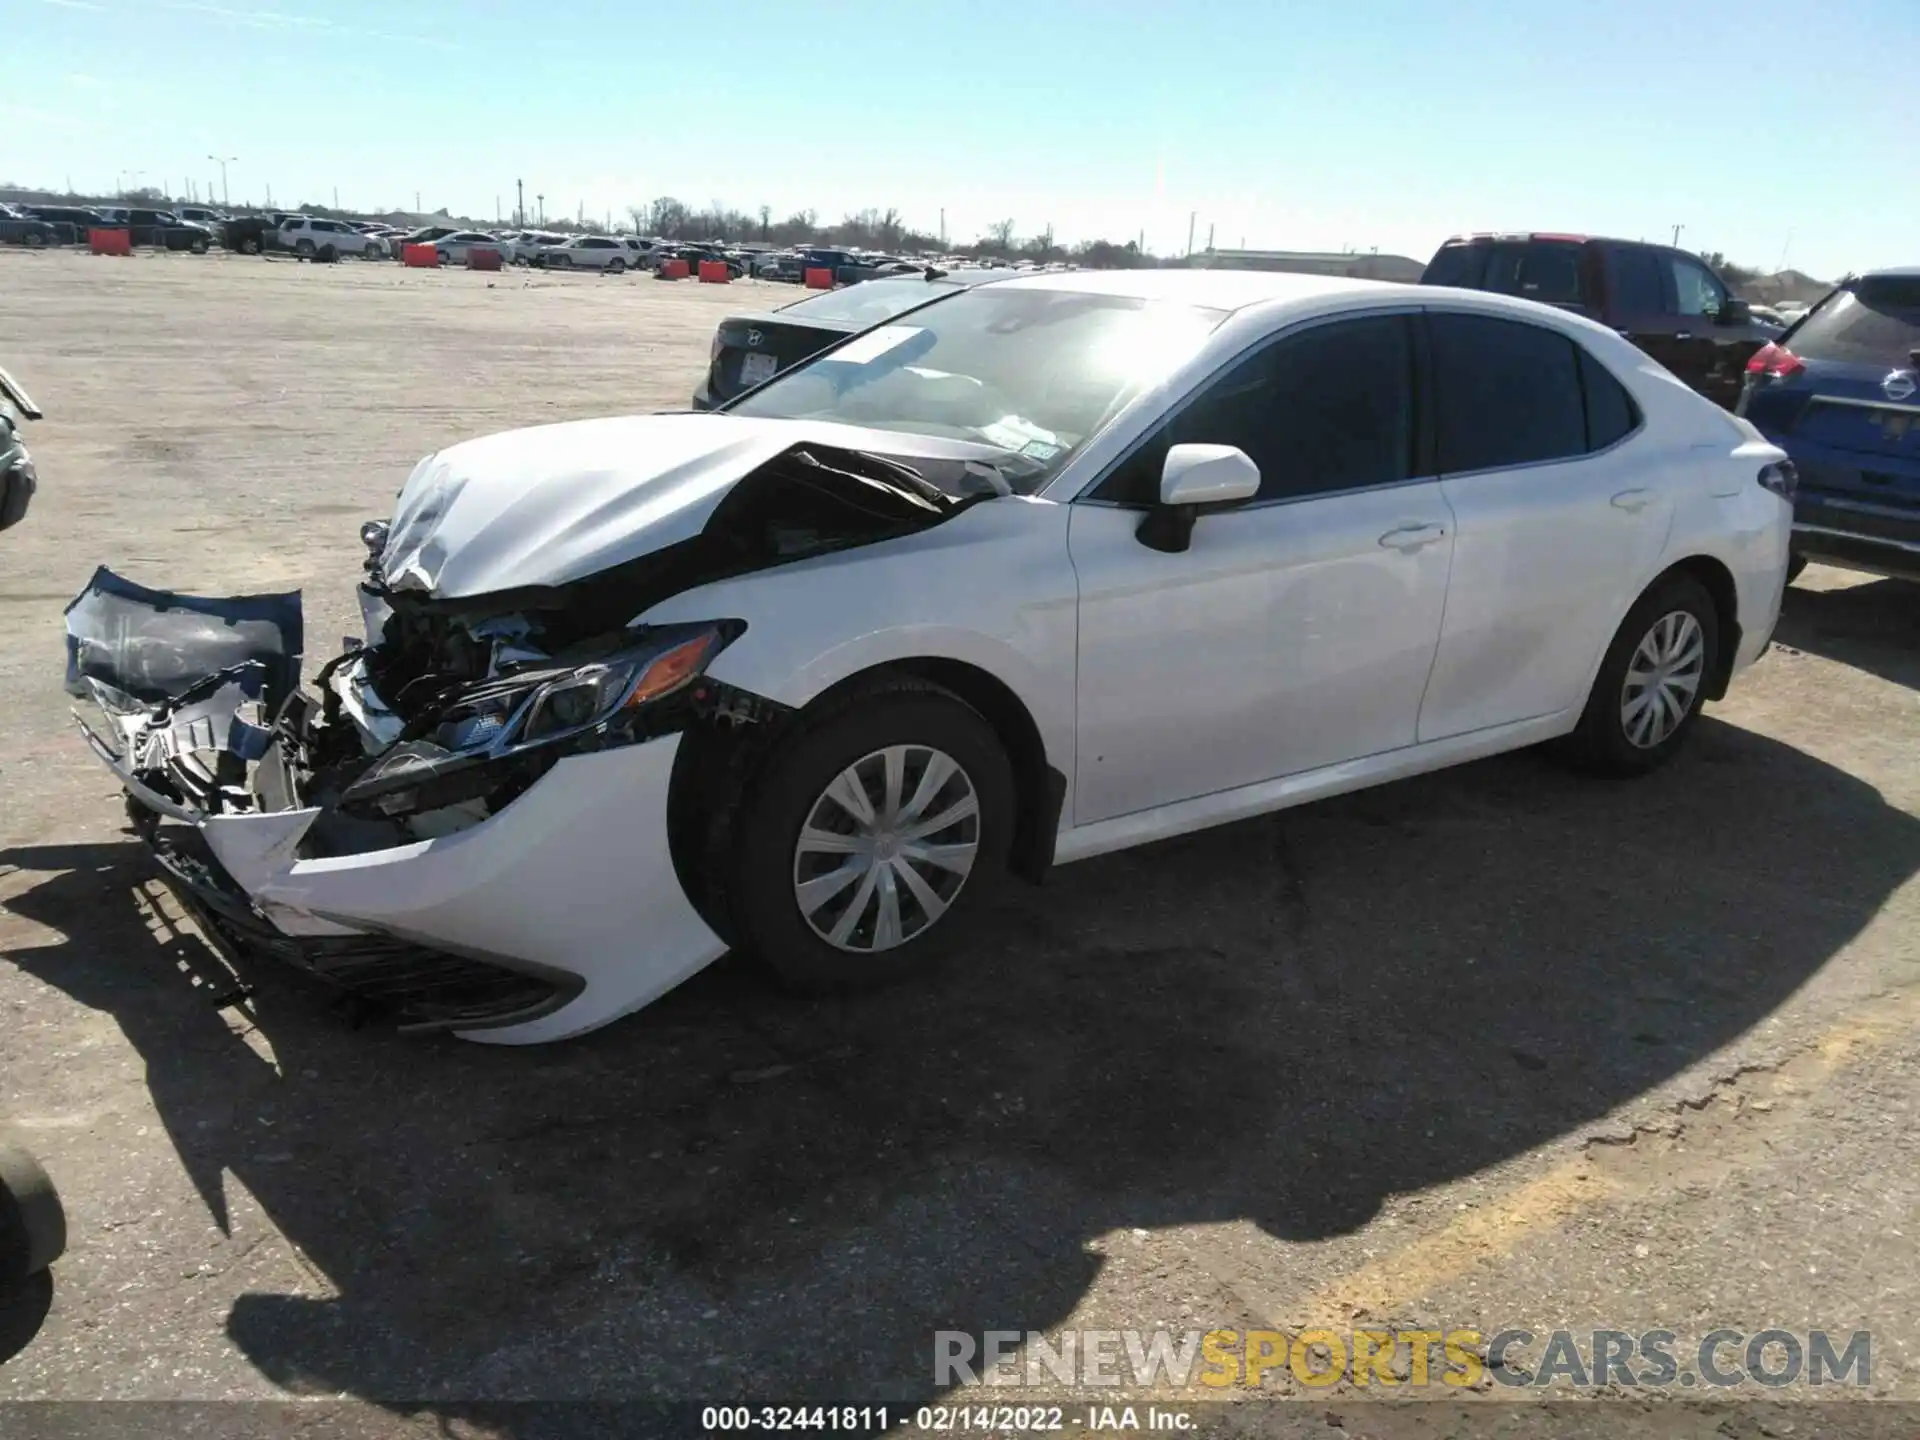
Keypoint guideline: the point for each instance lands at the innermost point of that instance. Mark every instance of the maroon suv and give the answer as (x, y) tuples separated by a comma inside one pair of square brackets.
[(1666, 301)]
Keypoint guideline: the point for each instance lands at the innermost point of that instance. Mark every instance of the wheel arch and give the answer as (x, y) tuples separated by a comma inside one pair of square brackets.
[(716, 768), (1717, 580)]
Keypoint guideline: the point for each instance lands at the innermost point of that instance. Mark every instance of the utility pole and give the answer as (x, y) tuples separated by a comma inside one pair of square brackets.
[(542, 201), (1783, 253), (1192, 215), (336, 197), (943, 227), (1209, 235), (520, 203), (1676, 235)]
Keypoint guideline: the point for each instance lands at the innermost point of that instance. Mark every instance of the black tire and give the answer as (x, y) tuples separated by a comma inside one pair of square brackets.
[(763, 914), (33, 1227), (1600, 743), (303, 248), (616, 267), (327, 255), (35, 240), (198, 246), (1795, 564), (250, 245)]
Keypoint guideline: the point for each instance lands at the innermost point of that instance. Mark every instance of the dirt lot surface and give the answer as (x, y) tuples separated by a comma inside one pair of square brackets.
[(1498, 1047)]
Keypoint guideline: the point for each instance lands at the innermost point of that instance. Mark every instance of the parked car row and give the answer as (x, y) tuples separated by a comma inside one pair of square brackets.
[(39, 225)]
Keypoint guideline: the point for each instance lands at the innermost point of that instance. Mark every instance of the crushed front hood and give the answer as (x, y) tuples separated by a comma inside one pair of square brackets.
[(556, 503)]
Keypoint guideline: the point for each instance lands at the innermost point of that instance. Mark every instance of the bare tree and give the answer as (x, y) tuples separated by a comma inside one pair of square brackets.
[(766, 222), (1000, 236)]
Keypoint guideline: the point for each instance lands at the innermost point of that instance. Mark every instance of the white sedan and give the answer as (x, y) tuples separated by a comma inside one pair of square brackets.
[(1042, 570)]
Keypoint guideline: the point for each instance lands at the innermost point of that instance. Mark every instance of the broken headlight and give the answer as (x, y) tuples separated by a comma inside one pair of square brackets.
[(505, 731), (535, 707)]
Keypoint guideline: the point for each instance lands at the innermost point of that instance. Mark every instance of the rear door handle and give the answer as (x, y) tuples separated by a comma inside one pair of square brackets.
[(1683, 334), (1632, 501), (1407, 538)]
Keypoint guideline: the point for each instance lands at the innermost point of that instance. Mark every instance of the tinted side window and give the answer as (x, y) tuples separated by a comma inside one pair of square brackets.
[(1636, 281), (1328, 409), (1506, 393), (1611, 413)]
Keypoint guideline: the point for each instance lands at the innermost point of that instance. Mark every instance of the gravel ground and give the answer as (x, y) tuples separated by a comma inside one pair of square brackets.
[(1494, 1048)]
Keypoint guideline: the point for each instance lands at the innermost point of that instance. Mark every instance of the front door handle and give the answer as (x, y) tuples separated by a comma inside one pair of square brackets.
[(1632, 501), (1408, 538), (1683, 334)]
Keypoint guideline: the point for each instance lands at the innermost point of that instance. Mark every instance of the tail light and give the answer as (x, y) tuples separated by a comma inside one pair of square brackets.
[(1775, 361), (1781, 478)]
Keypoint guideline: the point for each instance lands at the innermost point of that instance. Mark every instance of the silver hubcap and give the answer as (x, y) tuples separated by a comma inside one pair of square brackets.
[(886, 848), (1662, 679)]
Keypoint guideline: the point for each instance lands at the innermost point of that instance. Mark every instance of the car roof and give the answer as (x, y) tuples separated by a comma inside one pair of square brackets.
[(1893, 272), (1215, 289)]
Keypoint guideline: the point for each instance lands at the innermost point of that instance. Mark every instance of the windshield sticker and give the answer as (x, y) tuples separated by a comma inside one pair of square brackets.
[(873, 345), (1039, 450)]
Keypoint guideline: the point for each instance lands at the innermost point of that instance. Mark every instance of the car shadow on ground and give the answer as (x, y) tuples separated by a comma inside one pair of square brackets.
[(1284, 1021), (1873, 627)]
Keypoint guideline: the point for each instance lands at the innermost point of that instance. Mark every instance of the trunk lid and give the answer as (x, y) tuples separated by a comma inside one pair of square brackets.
[(751, 349)]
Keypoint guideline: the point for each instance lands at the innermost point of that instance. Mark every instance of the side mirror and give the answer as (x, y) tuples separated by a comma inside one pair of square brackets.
[(1736, 312), (1193, 477)]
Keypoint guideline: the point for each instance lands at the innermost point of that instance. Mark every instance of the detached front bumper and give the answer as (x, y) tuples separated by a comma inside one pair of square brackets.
[(556, 914)]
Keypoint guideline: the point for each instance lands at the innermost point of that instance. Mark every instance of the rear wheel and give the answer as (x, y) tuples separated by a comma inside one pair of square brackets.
[(303, 248), (1652, 682), (327, 255), (616, 267), (35, 240), (198, 245), (873, 839), (250, 245)]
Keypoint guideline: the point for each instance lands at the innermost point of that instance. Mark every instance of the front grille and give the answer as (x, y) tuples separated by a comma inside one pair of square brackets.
[(417, 987)]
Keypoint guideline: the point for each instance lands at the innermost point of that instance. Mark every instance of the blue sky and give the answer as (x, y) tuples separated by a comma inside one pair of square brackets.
[(1763, 127)]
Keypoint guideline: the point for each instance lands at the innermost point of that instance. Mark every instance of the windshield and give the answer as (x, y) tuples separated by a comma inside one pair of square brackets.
[(1876, 321), (1033, 373)]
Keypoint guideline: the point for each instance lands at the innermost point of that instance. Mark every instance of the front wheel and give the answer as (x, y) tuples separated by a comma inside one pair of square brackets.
[(35, 240), (304, 249), (873, 839), (198, 246), (616, 267), (1652, 682)]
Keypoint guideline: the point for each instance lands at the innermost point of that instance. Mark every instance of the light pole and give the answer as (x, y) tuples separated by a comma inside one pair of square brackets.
[(223, 161), (1676, 235)]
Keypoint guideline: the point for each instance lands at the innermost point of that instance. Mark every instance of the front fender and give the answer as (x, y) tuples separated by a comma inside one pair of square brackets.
[(992, 588)]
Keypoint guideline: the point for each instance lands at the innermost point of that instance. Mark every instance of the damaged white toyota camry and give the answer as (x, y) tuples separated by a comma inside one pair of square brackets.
[(1048, 568)]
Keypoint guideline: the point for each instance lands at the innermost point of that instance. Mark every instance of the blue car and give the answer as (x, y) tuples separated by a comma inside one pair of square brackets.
[(1840, 393)]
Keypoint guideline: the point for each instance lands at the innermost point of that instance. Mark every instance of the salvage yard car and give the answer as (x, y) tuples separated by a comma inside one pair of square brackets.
[(1048, 568), (1666, 301), (1840, 393), (19, 228), (750, 349), (317, 239), (586, 252)]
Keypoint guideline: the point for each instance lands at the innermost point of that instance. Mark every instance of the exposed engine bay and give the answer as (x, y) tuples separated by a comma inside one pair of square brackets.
[(453, 707)]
